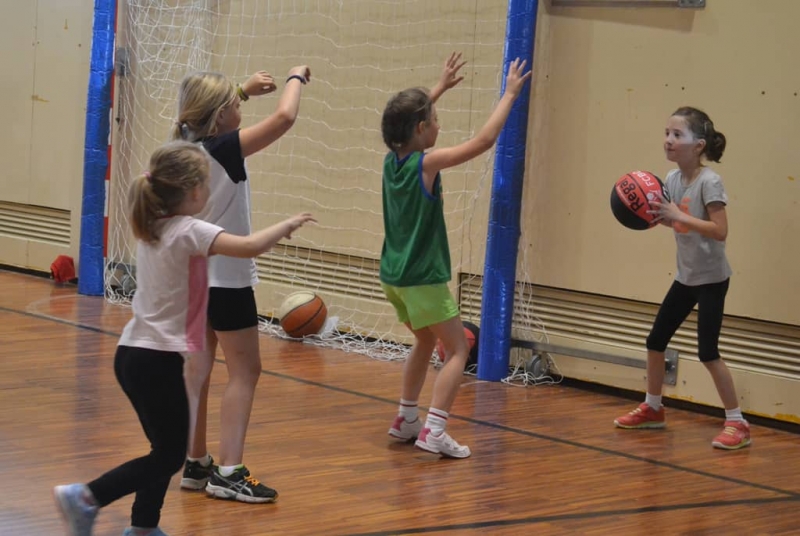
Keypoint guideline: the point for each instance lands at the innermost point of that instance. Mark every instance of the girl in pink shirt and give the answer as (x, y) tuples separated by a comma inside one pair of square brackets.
[(169, 322)]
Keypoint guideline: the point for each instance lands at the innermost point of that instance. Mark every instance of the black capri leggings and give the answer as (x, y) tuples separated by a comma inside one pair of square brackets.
[(678, 303), (153, 381)]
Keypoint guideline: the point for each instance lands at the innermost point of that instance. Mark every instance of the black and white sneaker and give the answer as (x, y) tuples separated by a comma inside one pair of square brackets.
[(239, 486), (195, 475)]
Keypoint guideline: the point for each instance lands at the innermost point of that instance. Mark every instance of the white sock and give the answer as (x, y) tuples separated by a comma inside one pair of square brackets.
[(734, 415), (205, 461), (654, 401), (436, 421), (408, 409), (228, 470)]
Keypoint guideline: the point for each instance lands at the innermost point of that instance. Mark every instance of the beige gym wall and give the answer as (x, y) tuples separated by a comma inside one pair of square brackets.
[(607, 80), (45, 66)]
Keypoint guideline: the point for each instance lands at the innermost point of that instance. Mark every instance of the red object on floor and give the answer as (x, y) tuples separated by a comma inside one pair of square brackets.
[(63, 269)]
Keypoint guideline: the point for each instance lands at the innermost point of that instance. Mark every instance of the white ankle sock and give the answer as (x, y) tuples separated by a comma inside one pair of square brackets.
[(734, 415), (654, 401), (408, 409), (228, 470), (205, 461), (436, 421)]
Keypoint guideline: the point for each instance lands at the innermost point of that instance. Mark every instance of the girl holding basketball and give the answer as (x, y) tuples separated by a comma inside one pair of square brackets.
[(209, 114), (697, 216), (169, 322), (415, 260)]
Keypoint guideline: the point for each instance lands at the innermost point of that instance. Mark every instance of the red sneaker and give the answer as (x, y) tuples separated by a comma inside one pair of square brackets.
[(736, 435), (642, 417)]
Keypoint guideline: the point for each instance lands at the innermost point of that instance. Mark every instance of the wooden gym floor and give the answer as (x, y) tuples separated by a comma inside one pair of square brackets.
[(546, 460)]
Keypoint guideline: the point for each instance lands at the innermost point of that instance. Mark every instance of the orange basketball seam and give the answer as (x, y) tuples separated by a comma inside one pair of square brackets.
[(288, 313), (310, 320)]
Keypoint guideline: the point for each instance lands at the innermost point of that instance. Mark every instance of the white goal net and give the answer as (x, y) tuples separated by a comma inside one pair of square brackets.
[(360, 52)]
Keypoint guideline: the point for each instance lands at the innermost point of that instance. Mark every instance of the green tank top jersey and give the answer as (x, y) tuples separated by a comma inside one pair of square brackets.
[(415, 249)]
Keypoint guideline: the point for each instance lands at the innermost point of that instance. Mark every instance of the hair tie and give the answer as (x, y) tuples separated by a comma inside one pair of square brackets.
[(148, 176)]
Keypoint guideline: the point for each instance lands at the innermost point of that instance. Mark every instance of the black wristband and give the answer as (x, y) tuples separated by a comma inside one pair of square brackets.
[(301, 78)]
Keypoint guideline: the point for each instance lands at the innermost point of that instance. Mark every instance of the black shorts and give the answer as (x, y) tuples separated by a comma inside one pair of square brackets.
[(232, 309)]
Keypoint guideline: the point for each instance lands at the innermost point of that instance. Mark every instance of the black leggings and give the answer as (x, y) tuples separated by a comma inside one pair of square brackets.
[(153, 381), (678, 303)]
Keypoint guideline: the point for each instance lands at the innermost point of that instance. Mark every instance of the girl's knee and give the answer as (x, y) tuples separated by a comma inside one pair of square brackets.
[(424, 337), (253, 369), (708, 350), (458, 359), (243, 381), (175, 461), (655, 343), (170, 456), (245, 371), (198, 367), (425, 341)]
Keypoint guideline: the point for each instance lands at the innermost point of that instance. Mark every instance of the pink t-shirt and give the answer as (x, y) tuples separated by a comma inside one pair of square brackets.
[(169, 307)]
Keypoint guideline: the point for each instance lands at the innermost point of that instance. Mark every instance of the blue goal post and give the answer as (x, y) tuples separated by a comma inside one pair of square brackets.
[(96, 153), (502, 242)]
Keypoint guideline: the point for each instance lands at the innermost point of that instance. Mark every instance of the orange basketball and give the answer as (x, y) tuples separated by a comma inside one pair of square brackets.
[(471, 340), (302, 313)]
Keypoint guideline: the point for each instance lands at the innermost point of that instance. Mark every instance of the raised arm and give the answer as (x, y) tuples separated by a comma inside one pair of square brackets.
[(449, 78), (259, 242), (441, 159), (268, 130)]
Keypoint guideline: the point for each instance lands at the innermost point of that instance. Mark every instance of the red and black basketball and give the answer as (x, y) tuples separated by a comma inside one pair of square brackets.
[(631, 197)]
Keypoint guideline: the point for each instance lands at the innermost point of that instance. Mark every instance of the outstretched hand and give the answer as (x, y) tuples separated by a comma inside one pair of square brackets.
[(260, 83), (449, 78), (452, 65), (515, 78), (297, 221)]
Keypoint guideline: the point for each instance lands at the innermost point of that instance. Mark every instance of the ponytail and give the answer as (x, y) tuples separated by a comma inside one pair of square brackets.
[(703, 129), (146, 208), (176, 132), (176, 168), (715, 146)]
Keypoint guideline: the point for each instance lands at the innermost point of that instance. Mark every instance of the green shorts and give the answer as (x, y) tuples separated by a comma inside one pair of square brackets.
[(423, 305)]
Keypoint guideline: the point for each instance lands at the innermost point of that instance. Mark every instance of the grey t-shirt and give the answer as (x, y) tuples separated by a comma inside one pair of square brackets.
[(701, 260)]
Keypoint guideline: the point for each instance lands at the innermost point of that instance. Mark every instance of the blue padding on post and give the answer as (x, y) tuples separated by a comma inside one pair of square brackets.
[(499, 276), (95, 153)]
